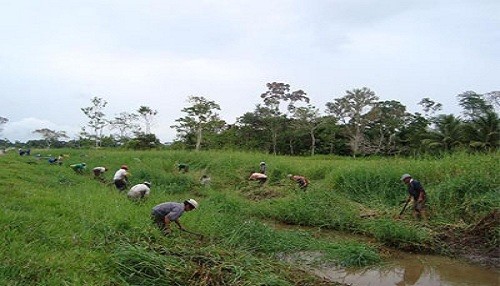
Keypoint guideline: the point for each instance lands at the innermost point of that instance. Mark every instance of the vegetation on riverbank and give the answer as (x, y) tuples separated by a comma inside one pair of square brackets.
[(61, 227)]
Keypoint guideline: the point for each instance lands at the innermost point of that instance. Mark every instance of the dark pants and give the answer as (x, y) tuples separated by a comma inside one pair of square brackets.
[(158, 220), (302, 183), (120, 184), (419, 206)]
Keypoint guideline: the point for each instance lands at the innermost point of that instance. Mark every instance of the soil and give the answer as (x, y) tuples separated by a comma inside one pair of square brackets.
[(474, 243)]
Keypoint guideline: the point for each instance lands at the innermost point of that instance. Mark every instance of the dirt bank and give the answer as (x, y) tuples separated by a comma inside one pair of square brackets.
[(474, 243)]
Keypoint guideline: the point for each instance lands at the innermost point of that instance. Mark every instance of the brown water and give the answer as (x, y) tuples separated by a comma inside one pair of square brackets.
[(400, 270), (416, 270), (406, 269)]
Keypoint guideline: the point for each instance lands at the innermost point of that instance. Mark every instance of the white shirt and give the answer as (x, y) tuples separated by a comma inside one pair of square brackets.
[(256, 176), (100, 169), (139, 191), (120, 174)]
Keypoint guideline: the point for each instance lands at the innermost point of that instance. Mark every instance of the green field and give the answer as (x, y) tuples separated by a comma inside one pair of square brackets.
[(63, 228)]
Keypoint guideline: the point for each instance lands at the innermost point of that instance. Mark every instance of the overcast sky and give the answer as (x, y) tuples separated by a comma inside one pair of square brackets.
[(57, 55)]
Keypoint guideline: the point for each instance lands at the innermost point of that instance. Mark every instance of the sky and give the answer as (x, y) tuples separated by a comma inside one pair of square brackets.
[(55, 56)]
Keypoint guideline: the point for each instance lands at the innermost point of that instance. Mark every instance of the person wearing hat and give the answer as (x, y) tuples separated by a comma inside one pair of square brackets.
[(139, 191), (120, 179), (302, 181), (79, 168), (163, 214), (263, 168), (417, 193)]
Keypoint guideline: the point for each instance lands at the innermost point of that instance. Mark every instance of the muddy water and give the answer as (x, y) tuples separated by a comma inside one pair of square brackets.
[(400, 269), (414, 270)]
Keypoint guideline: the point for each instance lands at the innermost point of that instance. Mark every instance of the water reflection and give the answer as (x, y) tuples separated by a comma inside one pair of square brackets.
[(415, 270), (411, 275), (402, 270)]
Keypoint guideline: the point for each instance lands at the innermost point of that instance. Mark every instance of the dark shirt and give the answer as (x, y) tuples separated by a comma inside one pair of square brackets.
[(262, 169), (415, 188)]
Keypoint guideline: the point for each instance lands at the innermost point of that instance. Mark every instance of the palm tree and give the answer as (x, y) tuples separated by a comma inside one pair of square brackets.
[(483, 131), (447, 133)]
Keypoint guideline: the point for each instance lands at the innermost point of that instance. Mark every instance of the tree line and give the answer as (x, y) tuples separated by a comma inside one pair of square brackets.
[(285, 122), (356, 124)]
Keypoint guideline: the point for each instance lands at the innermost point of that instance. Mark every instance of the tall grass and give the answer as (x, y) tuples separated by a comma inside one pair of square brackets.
[(58, 227)]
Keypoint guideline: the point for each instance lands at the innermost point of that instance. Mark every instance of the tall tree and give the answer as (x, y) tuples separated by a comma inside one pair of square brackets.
[(430, 107), (3, 120), (385, 120), (50, 136), (413, 132), (493, 98), (330, 138), (201, 116), (474, 104), (252, 130), (147, 114), (127, 124), (350, 109), (97, 120), (308, 119), (277, 94)]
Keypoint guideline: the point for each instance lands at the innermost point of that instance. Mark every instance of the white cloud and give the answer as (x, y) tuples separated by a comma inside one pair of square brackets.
[(60, 54), (22, 130)]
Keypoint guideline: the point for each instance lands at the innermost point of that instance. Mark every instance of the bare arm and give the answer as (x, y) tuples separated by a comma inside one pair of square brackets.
[(179, 224), (168, 221)]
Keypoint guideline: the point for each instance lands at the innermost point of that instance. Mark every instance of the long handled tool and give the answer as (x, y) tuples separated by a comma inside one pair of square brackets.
[(404, 208), (194, 233)]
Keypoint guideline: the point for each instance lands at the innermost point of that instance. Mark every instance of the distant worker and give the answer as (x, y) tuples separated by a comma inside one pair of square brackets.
[(205, 180), (263, 168), (26, 152), (163, 214), (183, 168), (120, 179), (139, 191), (58, 160), (262, 178), (99, 171), (417, 193), (79, 168), (302, 181)]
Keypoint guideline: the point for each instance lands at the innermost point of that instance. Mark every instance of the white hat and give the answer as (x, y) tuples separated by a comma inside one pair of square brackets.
[(262, 163), (405, 176), (193, 203), (147, 184)]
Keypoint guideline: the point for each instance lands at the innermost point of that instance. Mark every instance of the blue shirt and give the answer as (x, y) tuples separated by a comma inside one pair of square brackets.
[(415, 188), (172, 210)]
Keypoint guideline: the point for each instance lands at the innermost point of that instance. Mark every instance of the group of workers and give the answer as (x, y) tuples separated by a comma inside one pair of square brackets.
[(261, 177), (415, 190), (163, 214)]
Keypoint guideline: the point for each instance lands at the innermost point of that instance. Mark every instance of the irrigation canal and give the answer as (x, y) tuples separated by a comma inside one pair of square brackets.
[(399, 269)]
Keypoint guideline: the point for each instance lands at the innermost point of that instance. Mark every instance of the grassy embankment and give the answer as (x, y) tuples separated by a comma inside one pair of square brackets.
[(59, 227)]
